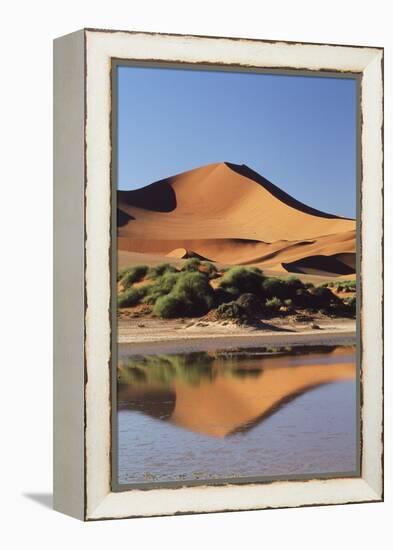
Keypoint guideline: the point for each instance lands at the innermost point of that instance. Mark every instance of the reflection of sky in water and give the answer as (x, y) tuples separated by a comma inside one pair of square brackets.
[(314, 433)]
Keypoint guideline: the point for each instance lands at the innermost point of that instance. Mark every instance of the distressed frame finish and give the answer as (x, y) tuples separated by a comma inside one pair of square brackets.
[(82, 473)]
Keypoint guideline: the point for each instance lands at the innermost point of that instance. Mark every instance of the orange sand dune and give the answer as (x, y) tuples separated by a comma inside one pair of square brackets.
[(227, 213)]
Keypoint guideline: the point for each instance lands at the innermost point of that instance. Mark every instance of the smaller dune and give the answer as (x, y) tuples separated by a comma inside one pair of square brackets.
[(178, 253)]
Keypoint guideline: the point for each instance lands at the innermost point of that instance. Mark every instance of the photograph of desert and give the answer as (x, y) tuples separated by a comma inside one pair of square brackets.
[(236, 293), (222, 243)]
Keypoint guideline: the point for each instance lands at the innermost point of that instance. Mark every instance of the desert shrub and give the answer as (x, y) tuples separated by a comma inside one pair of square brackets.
[(192, 264), (231, 310), (196, 288), (325, 294), (130, 297), (133, 275), (323, 297), (348, 286), (308, 285), (161, 286), (288, 303), (250, 302), (160, 269), (292, 285), (224, 295), (188, 293), (255, 269), (341, 286), (302, 298), (209, 268), (273, 304), (169, 306), (241, 280), (350, 304), (121, 273), (274, 287)]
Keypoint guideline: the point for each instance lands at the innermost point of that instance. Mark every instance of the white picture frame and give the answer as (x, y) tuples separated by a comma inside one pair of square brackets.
[(82, 250)]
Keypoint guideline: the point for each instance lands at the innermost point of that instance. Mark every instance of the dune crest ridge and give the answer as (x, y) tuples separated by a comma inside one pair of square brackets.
[(230, 214)]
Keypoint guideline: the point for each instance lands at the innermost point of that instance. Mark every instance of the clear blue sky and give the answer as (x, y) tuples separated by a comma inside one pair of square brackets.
[(298, 132)]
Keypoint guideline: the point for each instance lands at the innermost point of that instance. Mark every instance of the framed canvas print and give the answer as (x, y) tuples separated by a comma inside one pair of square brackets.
[(218, 274)]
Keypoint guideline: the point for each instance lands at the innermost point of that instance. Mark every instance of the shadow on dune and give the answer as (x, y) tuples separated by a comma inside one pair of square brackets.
[(158, 197), (247, 172), (339, 264), (123, 218)]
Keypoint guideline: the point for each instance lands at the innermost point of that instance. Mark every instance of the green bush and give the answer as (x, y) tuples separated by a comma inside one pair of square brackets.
[(196, 288), (224, 295), (274, 287), (323, 297), (209, 268), (170, 306), (193, 282), (133, 275), (292, 284), (192, 264), (186, 294), (231, 310), (302, 298), (160, 269), (273, 304), (341, 286), (350, 304), (250, 303), (121, 273), (255, 269), (241, 280), (348, 286), (130, 297), (161, 286)]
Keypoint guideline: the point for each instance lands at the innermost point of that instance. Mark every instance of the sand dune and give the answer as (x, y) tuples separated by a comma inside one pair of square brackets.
[(229, 214)]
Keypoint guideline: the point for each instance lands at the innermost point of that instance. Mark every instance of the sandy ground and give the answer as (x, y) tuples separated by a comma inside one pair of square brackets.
[(145, 334)]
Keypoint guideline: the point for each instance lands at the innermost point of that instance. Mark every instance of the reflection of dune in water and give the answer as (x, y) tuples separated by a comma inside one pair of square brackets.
[(232, 394)]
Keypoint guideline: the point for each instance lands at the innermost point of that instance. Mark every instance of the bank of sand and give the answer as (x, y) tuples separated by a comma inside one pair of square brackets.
[(146, 334)]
